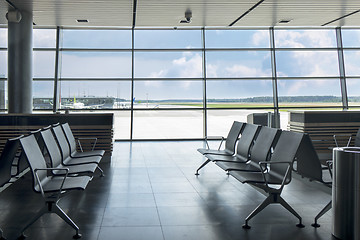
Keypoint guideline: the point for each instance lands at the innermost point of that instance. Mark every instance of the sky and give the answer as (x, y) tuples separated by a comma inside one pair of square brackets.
[(154, 67)]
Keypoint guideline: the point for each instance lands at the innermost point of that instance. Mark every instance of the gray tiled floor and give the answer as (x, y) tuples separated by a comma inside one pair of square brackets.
[(150, 192)]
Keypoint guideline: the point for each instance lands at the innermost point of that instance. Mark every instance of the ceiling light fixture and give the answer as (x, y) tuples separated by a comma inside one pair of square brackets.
[(284, 21)]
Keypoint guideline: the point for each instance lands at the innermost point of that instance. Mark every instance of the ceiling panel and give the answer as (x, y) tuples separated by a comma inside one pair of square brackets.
[(301, 13), (168, 13), (66, 12), (204, 12)]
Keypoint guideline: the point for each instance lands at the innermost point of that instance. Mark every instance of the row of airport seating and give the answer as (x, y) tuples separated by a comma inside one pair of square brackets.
[(265, 158), (56, 167)]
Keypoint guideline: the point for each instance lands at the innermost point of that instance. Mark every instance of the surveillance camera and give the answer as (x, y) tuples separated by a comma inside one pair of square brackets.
[(188, 15)]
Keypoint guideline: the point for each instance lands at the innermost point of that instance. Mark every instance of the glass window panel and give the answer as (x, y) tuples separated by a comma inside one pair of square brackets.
[(350, 37), (239, 93), (168, 65), (101, 39), (44, 64), (238, 64), (43, 94), (122, 124), (95, 94), (96, 64), (314, 38), (168, 39), (168, 94), (309, 93), (3, 65), (3, 94), (352, 63), (43, 89), (3, 38), (220, 121), (168, 124), (44, 38), (237, 39), (307, 63), (353, 86)]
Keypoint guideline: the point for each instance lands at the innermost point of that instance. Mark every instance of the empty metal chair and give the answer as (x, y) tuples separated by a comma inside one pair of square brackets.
[(67, 160), (51, 187), (55, 157), (260, 152), (72, 144), (230, 141), (242, 150), (278, 173)]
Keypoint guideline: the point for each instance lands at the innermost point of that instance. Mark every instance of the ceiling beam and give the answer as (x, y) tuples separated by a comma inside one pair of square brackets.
[(337, 19), (247, 12)]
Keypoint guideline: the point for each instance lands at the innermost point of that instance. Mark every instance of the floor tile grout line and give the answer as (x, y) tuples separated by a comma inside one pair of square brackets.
[(156, 206)]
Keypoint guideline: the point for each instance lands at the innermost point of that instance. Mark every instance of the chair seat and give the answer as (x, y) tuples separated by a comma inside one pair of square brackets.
[(221, 158), (78, 169), (238, 166), (52, 184), (88, 154), (216, 152), (76, 161), (254, 177)]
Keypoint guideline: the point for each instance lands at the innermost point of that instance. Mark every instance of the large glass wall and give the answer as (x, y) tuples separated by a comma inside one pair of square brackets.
[(189, 83), (3, 68), (351, 46)]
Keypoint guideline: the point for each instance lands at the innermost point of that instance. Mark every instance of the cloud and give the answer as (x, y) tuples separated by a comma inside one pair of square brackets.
[(311, 63), (244, 71), (153, 83), (260, 37), (309, 87), (306, 38), (160, 74), (96, 66), (352, 66), (188, 66), (212, 70), (44, 37), (3, 37)]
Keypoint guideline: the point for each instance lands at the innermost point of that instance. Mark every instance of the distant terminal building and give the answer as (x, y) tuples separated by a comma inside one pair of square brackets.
[(76, 103)]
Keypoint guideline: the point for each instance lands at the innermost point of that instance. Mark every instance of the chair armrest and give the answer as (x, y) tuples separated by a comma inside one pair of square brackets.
[(214, 138), (343, 135), (87, 138), (329, 163), (288, 171), (66, 170)]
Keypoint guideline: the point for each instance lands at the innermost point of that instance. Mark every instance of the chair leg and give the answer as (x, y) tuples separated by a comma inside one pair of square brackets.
[(202, 165), (1, 235), (290, 209), (42, 211), (57, 210), (49, 208), (101, 171), (258, 209), (321, 213)]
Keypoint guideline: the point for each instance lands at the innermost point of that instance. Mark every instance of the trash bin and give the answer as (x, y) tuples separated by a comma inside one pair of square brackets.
[(346, 193)]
